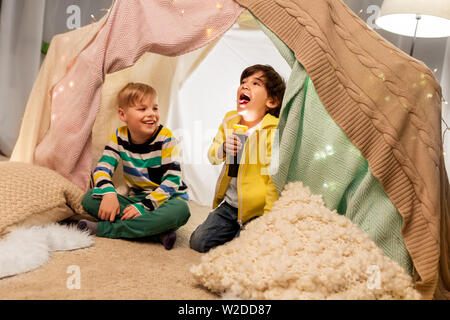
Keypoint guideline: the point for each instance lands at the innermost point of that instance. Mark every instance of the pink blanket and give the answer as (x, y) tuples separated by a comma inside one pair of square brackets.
[(166, 27)]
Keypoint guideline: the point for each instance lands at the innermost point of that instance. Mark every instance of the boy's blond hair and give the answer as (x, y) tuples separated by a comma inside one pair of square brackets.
[(133, 94)]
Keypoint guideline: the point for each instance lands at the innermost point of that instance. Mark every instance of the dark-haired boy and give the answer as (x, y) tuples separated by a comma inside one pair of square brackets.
[(252, 193)]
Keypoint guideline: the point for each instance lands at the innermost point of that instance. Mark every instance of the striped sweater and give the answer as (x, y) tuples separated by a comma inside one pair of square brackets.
[(152, 168)]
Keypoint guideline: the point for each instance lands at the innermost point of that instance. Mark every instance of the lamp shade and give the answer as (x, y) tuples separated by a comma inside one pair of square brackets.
[(400, 16)]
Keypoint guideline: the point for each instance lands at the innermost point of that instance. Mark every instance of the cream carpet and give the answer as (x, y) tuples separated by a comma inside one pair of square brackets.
[(116, 269)]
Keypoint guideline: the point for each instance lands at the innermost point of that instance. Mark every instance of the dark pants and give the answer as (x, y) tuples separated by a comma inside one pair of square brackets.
[(219, 227), (171, 215)]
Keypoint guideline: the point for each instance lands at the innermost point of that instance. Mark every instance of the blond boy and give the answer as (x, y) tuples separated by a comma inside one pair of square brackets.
[(156, 204)]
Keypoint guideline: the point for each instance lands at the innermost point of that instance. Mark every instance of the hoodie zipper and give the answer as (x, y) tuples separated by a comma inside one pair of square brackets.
[(239, 199), (239, 181)]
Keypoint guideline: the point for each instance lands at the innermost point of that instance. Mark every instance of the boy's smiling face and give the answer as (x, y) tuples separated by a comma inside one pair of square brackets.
[(142, 119), (252, 98)]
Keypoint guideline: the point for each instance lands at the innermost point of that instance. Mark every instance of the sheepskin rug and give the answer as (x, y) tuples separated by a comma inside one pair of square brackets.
[(25, 249), (302, 250)]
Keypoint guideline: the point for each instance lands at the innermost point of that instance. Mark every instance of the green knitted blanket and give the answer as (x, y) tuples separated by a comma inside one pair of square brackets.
[(313, 149)]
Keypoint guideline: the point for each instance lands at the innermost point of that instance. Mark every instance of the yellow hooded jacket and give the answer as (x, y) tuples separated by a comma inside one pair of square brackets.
[(255, 188)]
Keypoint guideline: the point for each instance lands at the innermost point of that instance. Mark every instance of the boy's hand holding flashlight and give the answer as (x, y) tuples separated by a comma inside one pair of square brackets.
[(232, 145)]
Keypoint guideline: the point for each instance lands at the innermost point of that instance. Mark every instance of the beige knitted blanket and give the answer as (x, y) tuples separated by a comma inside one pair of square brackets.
[(389, 105)]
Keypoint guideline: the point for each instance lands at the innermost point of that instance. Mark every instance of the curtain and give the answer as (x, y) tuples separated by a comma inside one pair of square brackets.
[(20, 43), (26, 26), (65, 15)]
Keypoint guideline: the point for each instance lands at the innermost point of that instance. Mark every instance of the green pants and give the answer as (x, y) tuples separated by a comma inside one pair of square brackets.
[(171, 215)]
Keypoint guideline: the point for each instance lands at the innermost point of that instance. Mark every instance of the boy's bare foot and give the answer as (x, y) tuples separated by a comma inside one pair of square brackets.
[(168, 239)]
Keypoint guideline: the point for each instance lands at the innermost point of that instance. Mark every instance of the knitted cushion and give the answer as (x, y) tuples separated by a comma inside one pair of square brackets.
[(302, 250), (32, 195)]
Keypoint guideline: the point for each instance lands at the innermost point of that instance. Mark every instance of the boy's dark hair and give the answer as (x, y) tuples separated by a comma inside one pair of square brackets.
[(274, 84)]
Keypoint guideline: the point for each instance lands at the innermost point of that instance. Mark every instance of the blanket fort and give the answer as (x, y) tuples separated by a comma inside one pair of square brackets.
[(353, 69)]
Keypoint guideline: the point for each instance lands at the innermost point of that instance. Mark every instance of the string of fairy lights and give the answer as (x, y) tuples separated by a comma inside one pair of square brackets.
[(101, 10), (445, 128)]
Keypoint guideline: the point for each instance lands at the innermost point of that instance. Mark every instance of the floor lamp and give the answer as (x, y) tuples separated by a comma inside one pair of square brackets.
[(416, 18)]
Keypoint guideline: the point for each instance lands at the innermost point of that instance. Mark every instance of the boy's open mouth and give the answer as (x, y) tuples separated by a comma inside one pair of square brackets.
[(244, 99)]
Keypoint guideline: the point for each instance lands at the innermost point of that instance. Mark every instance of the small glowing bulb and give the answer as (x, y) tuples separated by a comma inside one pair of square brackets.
[(71, 84), (219, 5), (435, 70), (329, 150), (182, 11), (93, 18), (209, 31), (61, 89), (429, 96)]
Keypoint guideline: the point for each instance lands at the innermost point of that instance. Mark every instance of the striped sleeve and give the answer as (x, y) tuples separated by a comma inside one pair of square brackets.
[(105, 168), (171, 178)]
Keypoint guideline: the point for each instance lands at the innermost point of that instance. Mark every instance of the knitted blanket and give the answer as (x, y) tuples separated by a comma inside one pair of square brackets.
[(314, 149), (389, 106), (132, 28), (61, 55)]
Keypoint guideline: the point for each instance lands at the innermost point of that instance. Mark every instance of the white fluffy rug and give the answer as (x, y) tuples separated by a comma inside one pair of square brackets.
[(25, 249)]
